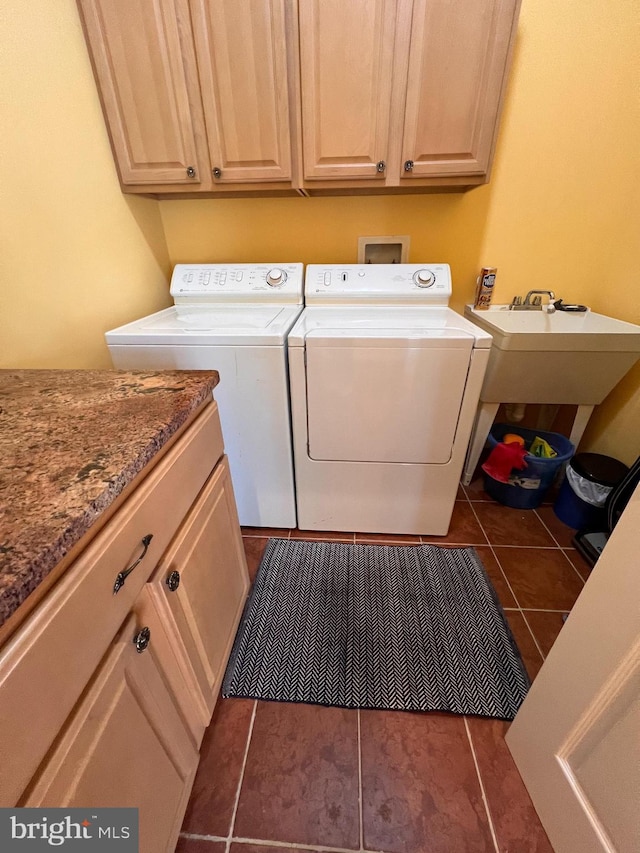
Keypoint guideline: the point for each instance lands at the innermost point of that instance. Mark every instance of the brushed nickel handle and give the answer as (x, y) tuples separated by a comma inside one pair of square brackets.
[(173, 581), (122, 576), (217, 173), (381, 166), (191, 172), (142, 639), (408, 165)]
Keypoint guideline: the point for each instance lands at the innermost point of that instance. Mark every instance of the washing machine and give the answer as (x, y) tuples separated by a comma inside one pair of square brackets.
[(233, 318), (384, 380)]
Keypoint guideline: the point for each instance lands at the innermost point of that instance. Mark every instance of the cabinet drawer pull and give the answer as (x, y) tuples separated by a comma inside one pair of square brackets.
[(191, 172), (142, 639), (408, 165), (173, 581), (380, 166), (217, 173), (122, 576)]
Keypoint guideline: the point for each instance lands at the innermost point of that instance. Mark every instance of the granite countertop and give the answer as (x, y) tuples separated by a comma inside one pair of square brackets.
[(70, 442)]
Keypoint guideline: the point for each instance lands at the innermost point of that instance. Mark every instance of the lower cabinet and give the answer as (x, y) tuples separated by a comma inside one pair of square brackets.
[(125, 745), (195, 598), (126, 729)]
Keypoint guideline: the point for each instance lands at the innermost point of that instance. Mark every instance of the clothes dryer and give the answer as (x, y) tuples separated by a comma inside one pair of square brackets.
[(233, 318), (385, 380)]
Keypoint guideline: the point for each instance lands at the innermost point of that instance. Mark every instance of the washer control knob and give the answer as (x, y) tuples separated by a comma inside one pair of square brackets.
[(276, 277), (424, 278)]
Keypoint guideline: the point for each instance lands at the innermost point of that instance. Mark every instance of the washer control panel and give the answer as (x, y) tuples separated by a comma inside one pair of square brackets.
[(394, 283), (277, 282)]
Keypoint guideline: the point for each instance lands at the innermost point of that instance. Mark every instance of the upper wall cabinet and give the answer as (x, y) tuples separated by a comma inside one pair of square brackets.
[(309, 96), (242, 61), (146, 69), (402, 92), (346, 66), (195, 92), (457, 64)]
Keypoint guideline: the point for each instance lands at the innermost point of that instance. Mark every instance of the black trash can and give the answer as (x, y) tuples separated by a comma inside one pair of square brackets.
[(589, 478)]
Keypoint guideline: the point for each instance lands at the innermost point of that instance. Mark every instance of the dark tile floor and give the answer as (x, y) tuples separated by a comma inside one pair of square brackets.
[(287, 778)]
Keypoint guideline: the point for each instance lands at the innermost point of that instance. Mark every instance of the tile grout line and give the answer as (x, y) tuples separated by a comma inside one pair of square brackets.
[(535, 640), (267, 842), (464, 492), (532, 547), (504, 575), (480, 525), (550, 532), (574, 567), (536, 609), (241, 779), (482, 790), (519, 607), (548, 529), (197, 836), (495, 557), (587, 569), (360, 793), (312, 848)]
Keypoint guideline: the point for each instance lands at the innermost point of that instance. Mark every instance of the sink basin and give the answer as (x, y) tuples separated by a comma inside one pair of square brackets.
[(563, 331), (563, 357)]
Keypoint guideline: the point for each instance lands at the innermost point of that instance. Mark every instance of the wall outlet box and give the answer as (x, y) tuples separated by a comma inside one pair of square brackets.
[(384, 250)]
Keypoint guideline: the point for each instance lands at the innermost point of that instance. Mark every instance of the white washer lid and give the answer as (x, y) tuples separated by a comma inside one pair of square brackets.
[(209, 325), (367, 323)]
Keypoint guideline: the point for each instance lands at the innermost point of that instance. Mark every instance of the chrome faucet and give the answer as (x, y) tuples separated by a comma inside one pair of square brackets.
[(533, 301), (549, 293)]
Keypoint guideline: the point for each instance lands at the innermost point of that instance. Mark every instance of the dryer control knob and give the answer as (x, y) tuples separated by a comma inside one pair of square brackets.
[(276, 277), (424, 278)]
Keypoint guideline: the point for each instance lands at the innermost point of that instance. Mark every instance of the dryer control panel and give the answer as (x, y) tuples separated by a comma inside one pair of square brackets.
[(398, 284), (276, 282)]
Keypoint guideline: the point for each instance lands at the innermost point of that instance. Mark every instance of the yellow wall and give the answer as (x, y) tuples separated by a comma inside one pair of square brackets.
[(562, 210), (76, 256)]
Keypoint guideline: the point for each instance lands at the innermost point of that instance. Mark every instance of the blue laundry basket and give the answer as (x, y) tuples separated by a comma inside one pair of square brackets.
[(527, 487)]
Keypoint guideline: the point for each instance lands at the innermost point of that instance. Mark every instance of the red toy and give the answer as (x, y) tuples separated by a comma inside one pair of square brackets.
[(503, 459)]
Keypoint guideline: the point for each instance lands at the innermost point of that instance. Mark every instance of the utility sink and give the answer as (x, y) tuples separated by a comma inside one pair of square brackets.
[(563, 357), (550, 358), (562, 331)]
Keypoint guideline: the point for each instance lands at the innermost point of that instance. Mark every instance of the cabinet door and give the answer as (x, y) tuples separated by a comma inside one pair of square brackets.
[(125, 745), (346, 56), (144, 60), (201, 613), (242, 62), (458, 59)]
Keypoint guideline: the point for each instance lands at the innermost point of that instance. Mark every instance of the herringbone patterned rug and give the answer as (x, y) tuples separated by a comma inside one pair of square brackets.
[(415, 628)]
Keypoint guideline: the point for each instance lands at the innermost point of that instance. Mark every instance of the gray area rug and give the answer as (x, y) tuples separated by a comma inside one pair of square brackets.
[(414, 628)]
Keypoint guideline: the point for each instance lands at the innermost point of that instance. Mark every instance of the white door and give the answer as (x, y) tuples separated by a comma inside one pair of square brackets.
[(576, 738)]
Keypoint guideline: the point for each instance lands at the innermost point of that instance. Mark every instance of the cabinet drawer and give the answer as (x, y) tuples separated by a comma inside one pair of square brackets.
[(62, 642)]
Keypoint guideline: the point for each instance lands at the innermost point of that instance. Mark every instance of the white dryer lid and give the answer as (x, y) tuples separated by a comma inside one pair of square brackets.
[(385, 326), (391, 337), (210, 325)]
